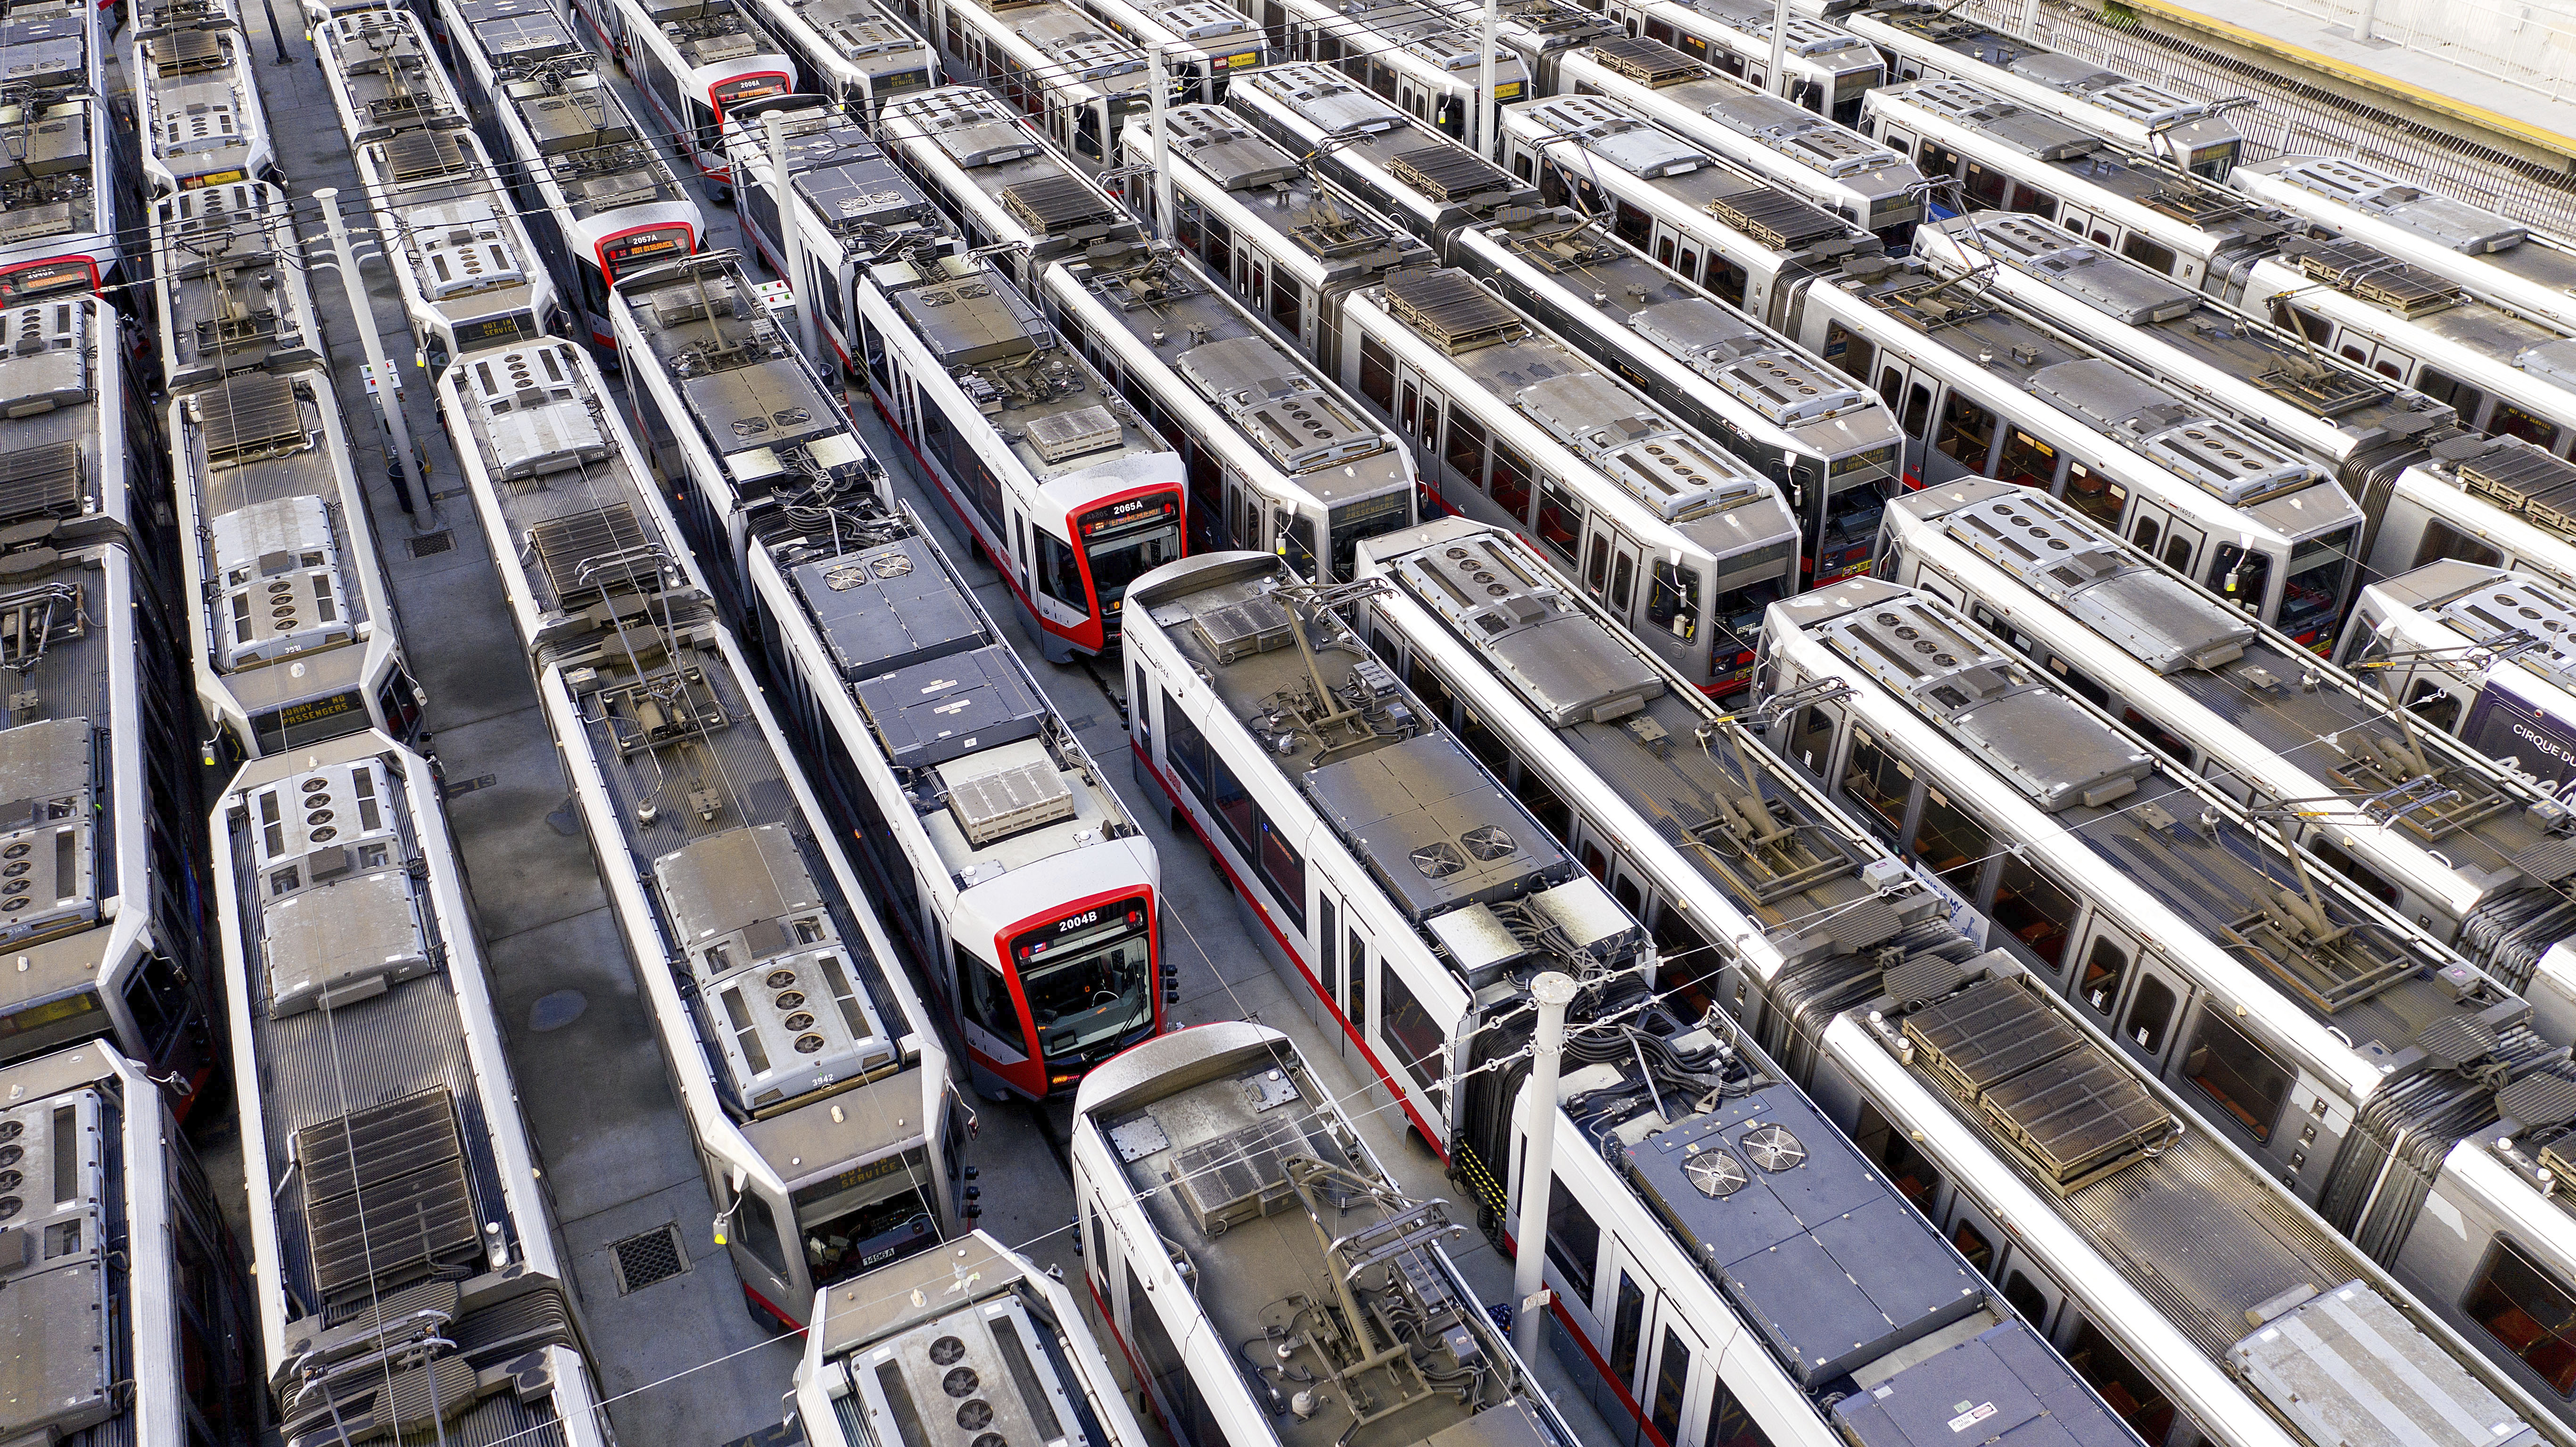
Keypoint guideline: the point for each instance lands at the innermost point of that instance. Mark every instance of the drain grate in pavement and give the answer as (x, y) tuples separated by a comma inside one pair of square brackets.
[(643, 1259), (431, 544)]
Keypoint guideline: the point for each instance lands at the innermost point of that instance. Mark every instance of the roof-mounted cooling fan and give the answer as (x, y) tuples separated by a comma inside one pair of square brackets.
[(843, 579), (1488, 843), (1716, 1174), (1773, 1149), (892, 565), (1438, 859)]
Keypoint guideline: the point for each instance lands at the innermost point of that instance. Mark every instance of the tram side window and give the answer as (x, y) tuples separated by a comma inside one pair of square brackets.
[(1059, 576), (1573, 1239), (1967, 432), (1511, 482), (2129, 1392), (2249, 1084), (1918, 409), (1672, 1371), (158, 999), (1627, 1326), (2435, 705), (2095, 496), (1632, 224), (2512, 421), (1877, 780), (1938, 160), (2032, 201), (759, 1230), (1417, 1038), (1377, 373), (1811, 740), (2148, 253), (2303, 321), (988, 1001), (1986, 187), (2443, 387), (1951, 842), (1466, 451), (2104, 967), (1848, 354), (2526, 1307), (2027, 461), (1726, 279), (1560, 520), (1283, 869), (1285, 308), (1170, 1370), (1672, 600), (1185, 747), (1729, 1425), (2023, 1295), (2150, 1015), (2443, 541), (1543, 804)]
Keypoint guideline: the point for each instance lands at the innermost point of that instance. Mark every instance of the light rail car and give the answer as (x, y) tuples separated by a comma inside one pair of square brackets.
[(852, 205), (2493, 501), (197, 97), (591, 186), (2488, 255), (1990, 392), (1011, 867), (106, 928), (2436, 831), (1924, 41), (1505, 422), (2364, 321), (1418, 54), (407, 1271), (131, 1322), (694, 60), (294, 633), (2261, 375), (1051, 61), (228, 274), (382, 75), (1828, 67), (897, 1338), (857, 52), (75, 197), (1768, 900), (1277, 455), (1834, 166), (1749, 240), (471, 277), (1205, 43), (1184, 1138), (2369, 1068), (814, 1083), (1829, 446)]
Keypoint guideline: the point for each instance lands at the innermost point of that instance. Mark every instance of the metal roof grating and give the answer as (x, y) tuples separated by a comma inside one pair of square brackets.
[(41, 481), (1450, 173), (2381, 280), (594, 551), (1776, 218), (1050, 204), (385, 1193), (249, 415), (418, 155), (1450, 310), (1647, 62)]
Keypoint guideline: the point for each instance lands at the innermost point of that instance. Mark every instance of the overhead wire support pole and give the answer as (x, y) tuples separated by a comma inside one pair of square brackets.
[(1552, 991), (1162, 104), (1777, 83), (1485, 83), (388, 399), (792, 236)]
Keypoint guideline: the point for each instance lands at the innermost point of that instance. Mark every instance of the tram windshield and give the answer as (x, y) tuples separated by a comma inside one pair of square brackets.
[(1088, 978), (1127, 540), (1851, 518), (867, 1216)]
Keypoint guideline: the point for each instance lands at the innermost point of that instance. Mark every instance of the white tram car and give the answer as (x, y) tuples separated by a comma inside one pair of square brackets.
[(815, 1085), (1828, 67), (2393, 1086), (1054, 63), (74, 197), (598, 199), (859, 53), (408, 1275), (694, 61), (201, 114)]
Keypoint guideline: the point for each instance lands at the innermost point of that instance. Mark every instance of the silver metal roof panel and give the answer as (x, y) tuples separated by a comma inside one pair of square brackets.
[(1560, 660), (58, 1373), (2128, 292), (2031, 735), (1323, 98), (2065, 73), (2041, 137), (2226, 460), (48, 829), (1436, 829), (2156, 618), (2551, 361), (1272, 398), (1774, 380), (1802, 135), (1640, 449), (2345, 1366), (1215, 142), (2473, 230), (2509, 608), (1644, 151)]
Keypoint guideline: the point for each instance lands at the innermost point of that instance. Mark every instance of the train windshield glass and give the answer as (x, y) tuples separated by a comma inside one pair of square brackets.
[(1354, 523), (1127, 540), (2313, 595), (867, 1215), (1088, 977), (1851, 518)]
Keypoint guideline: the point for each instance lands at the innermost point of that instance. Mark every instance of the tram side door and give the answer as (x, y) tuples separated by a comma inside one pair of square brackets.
[(1650, 1349), (1350, 987)]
